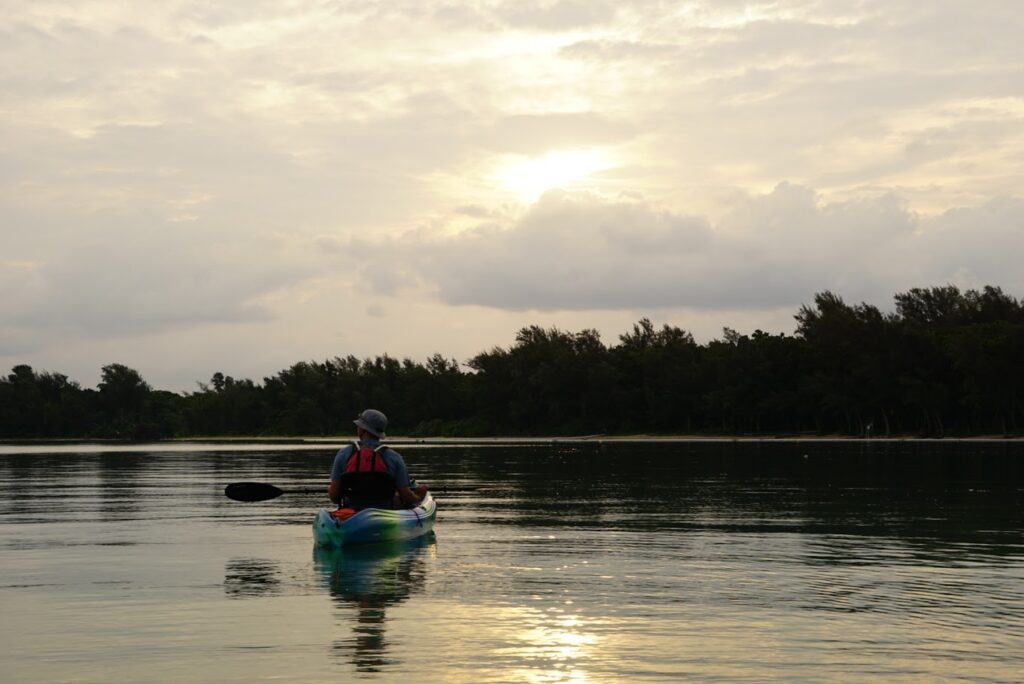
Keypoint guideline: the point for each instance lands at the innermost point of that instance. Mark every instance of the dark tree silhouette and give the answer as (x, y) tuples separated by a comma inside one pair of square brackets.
[(943, 362)]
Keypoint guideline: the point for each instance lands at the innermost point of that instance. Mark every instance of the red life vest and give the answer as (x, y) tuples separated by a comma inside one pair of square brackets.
[(366, 460), (366, 481)]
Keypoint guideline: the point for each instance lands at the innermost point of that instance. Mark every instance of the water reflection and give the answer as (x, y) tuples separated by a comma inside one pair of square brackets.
[(370, 579), (248, 577), (556, 647), (643, 562), (936, 496), (120, 475)]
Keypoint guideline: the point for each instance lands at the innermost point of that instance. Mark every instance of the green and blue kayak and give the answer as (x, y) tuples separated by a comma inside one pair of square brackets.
[(372, 525)]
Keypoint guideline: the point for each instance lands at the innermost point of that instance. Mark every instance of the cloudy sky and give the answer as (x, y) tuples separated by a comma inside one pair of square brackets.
[(189, 187)]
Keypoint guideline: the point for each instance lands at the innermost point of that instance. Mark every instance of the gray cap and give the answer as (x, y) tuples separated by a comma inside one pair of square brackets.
[(373, 421)]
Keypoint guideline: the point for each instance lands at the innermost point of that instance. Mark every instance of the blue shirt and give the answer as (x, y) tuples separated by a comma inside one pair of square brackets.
[(392, 461)]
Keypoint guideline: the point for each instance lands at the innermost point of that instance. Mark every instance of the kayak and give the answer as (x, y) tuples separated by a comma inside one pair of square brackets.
[(372, 525)]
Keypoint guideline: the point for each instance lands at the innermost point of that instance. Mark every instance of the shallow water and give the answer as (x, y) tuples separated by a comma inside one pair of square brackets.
[(660, 562)]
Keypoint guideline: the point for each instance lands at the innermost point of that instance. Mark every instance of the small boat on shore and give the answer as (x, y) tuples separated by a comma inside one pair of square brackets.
[(373, 525)]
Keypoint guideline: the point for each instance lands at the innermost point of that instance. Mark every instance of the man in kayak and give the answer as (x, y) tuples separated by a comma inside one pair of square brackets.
[(368, 474)]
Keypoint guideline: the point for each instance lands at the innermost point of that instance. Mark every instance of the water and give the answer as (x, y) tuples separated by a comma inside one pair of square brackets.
[(842, 561)]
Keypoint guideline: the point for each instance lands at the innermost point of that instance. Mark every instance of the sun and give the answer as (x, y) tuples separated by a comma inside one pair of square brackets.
[(530, 177)]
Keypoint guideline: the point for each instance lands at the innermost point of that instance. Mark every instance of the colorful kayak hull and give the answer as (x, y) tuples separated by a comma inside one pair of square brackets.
[(373, 525)]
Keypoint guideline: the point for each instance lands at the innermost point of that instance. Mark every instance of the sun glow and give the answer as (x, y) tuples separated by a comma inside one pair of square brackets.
[(531, 177)]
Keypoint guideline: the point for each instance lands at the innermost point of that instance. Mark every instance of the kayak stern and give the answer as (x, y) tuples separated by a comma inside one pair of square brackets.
[(373, 525)]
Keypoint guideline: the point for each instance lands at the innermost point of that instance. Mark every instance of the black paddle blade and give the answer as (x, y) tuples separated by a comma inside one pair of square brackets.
[(252, 491)]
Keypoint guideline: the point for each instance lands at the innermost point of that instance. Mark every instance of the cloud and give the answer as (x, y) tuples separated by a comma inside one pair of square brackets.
[(141, 279), (556, 15), (536, 133), (207, 172), (972, 246), (579, 252)]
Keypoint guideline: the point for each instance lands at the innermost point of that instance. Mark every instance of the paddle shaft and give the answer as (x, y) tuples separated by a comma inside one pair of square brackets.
[(251, 492)]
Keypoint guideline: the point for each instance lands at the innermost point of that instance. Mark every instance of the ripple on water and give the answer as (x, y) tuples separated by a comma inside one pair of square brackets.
[(698, 564)]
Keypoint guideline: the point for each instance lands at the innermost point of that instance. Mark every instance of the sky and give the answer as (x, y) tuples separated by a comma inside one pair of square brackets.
[(190, 187)]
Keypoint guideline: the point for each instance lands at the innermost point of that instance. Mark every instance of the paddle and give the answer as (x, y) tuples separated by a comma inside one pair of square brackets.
[(260, 491)]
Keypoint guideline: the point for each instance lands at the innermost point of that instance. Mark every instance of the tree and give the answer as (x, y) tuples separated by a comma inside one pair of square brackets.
[(123, 394), (944, 362)]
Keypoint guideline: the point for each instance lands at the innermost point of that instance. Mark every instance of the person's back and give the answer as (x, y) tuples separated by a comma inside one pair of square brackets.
[(367, 474), (366, 479)]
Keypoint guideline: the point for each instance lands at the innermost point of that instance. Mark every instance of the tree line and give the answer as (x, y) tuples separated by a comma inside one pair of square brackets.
[(943, 363)]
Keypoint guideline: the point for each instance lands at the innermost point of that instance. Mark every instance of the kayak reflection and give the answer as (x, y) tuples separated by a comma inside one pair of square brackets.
[(369, 579)]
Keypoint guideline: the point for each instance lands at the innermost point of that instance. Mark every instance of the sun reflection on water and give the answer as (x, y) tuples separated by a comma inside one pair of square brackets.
[(558, 646)]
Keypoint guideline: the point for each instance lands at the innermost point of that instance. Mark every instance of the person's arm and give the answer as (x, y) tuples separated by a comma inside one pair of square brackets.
[(408, 497)]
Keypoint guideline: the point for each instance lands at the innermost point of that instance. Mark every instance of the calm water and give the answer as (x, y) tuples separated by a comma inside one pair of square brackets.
[(659, 562)]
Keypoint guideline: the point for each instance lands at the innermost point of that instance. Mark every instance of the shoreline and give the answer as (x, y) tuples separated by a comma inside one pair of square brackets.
[(511, 441)]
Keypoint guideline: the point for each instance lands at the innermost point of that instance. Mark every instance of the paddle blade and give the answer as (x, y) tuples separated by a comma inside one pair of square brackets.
[(252, 491)]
